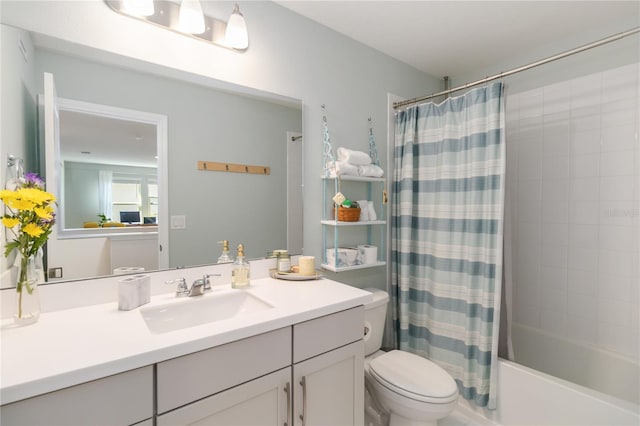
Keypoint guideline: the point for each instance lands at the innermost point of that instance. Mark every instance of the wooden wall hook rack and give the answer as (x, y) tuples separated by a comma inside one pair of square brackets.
[(212, 166)]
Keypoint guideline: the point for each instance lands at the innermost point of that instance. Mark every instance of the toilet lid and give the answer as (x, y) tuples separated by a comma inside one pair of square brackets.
[(414, 377)]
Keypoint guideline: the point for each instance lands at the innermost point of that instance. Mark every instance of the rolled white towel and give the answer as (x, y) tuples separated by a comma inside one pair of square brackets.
[(357, 158), (340, 168), (370, 170)]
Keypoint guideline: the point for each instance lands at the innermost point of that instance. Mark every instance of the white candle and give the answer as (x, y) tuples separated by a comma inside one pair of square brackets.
[(307, 265)]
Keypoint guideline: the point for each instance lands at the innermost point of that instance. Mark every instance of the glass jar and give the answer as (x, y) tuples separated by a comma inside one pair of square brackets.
[(284, 260)]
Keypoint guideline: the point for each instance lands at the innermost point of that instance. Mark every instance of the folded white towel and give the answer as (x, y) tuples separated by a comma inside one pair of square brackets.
[(357, 158), (340, 168), (370, 170)]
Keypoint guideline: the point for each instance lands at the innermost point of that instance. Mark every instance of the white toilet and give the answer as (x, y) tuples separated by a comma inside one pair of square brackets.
[(413, 390)]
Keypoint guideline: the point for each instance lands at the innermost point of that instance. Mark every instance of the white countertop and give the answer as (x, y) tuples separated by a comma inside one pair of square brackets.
[(73, 346)]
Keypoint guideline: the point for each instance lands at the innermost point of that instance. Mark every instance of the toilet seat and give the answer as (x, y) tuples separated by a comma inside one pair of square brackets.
[(414, 377)]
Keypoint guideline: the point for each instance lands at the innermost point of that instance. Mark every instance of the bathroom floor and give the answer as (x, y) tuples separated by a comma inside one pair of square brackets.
[(459, 419), (455, 419)]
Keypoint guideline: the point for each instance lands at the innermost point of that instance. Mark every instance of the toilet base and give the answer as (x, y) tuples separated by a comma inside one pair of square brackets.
[(397, 420)]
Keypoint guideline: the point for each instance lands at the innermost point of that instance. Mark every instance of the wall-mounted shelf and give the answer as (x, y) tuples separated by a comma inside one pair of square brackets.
[(351, 268), (372, 232), (364, 223), (354, 178)]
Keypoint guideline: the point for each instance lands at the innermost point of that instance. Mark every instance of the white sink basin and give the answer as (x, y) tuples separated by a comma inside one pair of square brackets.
[(198, 310)]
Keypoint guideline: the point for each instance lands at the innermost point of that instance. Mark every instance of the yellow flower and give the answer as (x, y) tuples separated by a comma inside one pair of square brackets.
[(31, 218), (33, 230), (10, 222), (35, 195), (6, 195), (43, 212), (20, 204)]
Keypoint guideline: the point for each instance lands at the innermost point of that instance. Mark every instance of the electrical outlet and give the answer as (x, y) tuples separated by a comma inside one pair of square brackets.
[(55, 272)]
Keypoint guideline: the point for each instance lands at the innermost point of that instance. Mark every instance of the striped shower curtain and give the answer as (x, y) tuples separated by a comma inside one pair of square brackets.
[(446, 235)]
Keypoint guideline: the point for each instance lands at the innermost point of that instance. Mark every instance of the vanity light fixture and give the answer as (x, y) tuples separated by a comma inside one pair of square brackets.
[(236, 34), (190, 17), (186, 18), (138, 7)]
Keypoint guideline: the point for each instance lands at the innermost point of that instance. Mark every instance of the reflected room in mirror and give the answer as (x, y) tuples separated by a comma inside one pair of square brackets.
[(206, 120)]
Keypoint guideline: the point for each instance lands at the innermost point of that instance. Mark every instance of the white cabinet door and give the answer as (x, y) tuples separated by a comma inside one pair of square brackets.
[(260, 402), (329, 388)]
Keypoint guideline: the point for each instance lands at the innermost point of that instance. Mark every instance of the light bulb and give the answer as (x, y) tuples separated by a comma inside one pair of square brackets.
[(138, 7), (236, 35), (190, 18)]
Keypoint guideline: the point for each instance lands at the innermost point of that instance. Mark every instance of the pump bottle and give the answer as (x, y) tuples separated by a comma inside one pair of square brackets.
[(224, 257), (240, 272)]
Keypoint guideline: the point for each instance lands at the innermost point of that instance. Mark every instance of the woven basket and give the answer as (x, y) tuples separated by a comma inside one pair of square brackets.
[(348, 214)]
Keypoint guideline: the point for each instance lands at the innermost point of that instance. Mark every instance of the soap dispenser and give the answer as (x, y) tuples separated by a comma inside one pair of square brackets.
[(224, 257), (240, 272)]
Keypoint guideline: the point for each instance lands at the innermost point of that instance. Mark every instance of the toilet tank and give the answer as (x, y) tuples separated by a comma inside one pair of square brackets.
[(375, 313)]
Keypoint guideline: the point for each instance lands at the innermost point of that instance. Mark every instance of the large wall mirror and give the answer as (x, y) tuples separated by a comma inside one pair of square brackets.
[(206, 121)]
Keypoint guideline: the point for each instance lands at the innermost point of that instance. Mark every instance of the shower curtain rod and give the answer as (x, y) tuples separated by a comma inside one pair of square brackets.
[(615, 37)]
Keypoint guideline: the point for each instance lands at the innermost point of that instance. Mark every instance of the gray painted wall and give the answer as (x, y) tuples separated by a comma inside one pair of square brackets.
[(18, 106)]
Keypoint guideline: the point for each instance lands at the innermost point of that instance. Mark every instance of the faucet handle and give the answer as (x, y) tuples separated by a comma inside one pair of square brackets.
[(207, 283), (181, 289)]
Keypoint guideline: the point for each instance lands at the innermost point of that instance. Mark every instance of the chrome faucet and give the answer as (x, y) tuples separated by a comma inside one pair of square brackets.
[(198, 287), (207, 283), (182, 289)]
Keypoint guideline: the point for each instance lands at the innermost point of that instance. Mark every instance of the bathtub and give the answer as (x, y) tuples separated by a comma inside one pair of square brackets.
[(586, 365), (530, 397)]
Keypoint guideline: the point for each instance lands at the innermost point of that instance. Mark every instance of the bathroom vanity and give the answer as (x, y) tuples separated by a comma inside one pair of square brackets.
[(298, 361)]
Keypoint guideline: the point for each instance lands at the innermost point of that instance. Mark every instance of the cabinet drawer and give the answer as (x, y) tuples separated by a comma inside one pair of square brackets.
[(121, 399), (323, 334), (195, 376)]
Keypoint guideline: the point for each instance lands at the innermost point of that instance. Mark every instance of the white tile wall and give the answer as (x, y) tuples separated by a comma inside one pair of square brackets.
[(574, 163)]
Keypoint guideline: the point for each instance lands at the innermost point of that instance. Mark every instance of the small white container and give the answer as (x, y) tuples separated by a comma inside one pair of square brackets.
[(346, 257), (144, 289), (284, 261), (124, 270), (133, 291)]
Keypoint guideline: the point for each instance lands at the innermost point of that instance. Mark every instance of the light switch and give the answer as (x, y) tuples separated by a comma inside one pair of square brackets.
[(178, 222)]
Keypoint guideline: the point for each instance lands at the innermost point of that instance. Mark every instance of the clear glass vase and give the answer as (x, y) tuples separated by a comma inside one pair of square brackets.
[(27, 297)]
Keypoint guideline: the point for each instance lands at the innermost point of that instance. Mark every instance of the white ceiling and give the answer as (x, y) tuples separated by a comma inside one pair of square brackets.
[(91, 138), (450, 38)]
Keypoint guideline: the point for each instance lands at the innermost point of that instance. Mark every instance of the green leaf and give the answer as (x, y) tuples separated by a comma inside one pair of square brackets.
[(9, 247)]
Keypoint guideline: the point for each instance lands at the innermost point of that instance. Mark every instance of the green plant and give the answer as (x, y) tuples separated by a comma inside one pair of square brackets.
[(103, 219)]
